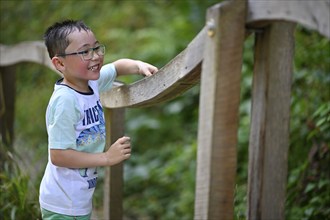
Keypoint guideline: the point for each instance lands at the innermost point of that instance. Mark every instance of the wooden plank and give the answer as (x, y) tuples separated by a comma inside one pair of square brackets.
[(312, 14), (113, 182), (269, 134), (219, 116), (30, 51), (179, 75)]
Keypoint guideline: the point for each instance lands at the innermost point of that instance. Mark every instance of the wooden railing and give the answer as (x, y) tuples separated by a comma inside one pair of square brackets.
[(214, 58)]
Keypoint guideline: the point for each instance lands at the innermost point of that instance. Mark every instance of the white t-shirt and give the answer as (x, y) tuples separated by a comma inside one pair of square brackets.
[(74, 120)]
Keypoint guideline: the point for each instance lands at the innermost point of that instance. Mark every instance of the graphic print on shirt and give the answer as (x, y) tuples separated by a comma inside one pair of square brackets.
[(91, 135), (84, 173), (95, 133)]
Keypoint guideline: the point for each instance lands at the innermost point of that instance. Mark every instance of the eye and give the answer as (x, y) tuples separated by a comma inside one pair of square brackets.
[(85, 52), (96, 48)]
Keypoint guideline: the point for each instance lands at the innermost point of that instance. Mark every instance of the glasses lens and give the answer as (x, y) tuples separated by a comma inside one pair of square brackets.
[(88, 54), (100, 50)]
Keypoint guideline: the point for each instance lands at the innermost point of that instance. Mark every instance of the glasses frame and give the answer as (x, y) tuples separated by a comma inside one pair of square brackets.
[(93, 49)]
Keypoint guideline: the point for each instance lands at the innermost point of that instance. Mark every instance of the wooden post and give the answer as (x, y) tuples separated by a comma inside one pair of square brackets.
[(7, 104), (269, 135), (113, 182), (219, 111), (7, 111)]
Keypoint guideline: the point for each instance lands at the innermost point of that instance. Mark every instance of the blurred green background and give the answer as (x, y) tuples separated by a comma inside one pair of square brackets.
[(160, 176)]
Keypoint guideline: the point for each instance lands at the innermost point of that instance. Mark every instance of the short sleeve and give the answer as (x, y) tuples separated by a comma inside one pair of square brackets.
[(61, 118), (107, 77)]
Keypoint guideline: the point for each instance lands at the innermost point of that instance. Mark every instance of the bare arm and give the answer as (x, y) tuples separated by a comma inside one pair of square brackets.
[(119, 151), (128, 66)]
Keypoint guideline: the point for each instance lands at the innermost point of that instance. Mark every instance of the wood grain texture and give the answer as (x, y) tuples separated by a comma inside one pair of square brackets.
[(29, 51), (179, 75), (114, 179), (218, 115), (314, 14), (269, 133)]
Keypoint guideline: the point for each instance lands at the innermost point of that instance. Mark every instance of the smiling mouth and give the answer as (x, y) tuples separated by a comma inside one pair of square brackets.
[(93, 68)]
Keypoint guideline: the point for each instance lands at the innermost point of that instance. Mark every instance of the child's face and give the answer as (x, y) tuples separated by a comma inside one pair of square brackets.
[(76, 68)]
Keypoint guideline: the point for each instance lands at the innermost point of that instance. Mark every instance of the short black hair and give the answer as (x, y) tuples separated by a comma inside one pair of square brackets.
[(56, 36)]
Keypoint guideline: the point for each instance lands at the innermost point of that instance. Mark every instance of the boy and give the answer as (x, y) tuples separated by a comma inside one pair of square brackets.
[(75, 121)]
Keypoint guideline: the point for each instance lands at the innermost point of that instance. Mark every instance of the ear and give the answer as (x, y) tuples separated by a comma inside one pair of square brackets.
[(58, 63)]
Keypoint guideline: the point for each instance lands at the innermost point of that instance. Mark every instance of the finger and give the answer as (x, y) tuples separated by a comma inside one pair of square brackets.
[(153, 69), (127, 151), (124, 140), (147, 73), (125, 147)]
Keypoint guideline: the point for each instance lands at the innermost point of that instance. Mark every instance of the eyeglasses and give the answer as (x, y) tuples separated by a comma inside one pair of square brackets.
[(87, 54)]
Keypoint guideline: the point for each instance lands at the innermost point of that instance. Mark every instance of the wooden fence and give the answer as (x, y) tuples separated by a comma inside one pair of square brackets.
[(214, 58)]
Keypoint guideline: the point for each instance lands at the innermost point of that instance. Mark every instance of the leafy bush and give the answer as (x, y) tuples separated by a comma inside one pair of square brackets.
[(309, 183), (17, 200), (163, 186)]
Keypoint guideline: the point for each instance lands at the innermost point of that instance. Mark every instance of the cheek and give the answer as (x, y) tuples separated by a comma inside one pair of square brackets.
[(81, 68)]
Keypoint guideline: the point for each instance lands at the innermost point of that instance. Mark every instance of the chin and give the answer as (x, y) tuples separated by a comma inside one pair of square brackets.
[(95, 76)]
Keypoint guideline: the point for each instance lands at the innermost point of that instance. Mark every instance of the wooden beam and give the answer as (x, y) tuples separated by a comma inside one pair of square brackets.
[(29, 51), (311, 14), (269, 134), (219, 111), (113, 182), (179, 75)]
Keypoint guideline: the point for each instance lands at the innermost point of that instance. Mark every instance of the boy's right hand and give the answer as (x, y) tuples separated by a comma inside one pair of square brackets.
[(118, 151)]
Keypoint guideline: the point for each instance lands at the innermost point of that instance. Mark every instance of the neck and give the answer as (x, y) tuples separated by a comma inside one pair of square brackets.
[(79, 86)]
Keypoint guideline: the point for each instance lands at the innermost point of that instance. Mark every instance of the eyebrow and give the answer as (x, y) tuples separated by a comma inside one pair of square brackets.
[(85, 45)]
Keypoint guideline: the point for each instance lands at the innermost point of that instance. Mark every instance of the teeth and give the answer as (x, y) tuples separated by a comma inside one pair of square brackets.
[(93, 68)]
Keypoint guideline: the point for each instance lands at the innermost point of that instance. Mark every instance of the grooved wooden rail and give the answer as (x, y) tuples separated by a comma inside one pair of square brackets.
[(214, 58)]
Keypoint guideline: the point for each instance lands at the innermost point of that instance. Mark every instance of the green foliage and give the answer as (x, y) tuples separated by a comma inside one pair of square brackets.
[(17, 200), (161, 186), (309, 183), (321, 118), (309, 156), (160, 178)]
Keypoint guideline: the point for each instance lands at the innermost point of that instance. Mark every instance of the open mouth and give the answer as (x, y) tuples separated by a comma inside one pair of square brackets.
[(94, 68)]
